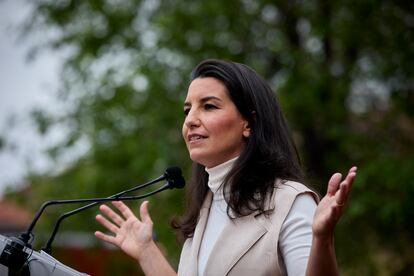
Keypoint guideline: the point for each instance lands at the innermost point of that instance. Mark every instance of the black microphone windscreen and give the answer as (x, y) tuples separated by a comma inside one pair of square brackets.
[(174, 177), (173, 172), (178, 183)]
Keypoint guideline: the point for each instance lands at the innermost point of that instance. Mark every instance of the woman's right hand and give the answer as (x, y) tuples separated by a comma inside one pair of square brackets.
[(130, 234)]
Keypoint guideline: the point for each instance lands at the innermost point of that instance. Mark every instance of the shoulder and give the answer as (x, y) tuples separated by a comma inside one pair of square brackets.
[(283, 198), (291, 185), (290, 190)]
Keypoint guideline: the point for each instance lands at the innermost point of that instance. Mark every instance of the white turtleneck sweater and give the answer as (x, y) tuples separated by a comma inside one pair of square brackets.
[(295, 237)]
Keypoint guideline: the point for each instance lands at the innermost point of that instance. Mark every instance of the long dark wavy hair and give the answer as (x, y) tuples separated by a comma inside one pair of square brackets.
[(269, 152)]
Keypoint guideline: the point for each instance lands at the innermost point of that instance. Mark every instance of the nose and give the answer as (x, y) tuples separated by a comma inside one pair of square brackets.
[(192, 119)]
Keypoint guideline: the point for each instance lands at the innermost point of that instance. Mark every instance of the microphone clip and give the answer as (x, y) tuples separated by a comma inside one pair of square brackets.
[(14, 256)]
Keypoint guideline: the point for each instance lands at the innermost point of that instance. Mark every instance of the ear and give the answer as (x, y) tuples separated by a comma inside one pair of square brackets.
[(246, 130)]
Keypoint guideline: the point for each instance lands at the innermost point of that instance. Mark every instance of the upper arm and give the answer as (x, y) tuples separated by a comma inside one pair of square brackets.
[(296, 234)]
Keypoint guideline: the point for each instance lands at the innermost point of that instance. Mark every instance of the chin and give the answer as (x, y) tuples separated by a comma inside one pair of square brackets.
[(195, 157), (199, 160)]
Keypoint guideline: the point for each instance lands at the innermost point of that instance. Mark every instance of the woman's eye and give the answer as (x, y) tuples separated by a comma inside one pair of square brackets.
[(186, 111), (209, 106)]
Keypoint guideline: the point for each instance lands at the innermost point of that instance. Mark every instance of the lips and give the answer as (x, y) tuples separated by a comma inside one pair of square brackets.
[(195, 137)]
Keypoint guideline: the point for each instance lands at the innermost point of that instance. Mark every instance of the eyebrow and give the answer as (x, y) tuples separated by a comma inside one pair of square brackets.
[(203, 100)]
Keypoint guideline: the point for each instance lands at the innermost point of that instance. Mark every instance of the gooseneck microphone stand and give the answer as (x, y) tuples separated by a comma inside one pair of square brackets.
[(25, 237), (17, 258), (48, 247)]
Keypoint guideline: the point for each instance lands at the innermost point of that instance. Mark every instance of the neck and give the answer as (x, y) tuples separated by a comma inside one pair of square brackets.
[(218, 173)]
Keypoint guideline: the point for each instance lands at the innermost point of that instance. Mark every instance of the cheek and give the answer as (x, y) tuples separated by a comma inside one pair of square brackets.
[(184, 131), (224, 126)]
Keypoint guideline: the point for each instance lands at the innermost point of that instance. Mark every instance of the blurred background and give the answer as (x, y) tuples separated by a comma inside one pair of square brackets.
[(98, 109)]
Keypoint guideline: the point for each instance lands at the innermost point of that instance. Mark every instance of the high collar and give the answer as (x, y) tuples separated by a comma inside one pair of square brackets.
[(217, 174)]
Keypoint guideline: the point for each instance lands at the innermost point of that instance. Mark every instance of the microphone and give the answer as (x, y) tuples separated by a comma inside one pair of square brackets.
[(174, 179), (173, 175), (17, 254)]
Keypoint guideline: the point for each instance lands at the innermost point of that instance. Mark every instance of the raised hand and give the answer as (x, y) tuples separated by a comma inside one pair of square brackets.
[(332, 205), (130, 234)]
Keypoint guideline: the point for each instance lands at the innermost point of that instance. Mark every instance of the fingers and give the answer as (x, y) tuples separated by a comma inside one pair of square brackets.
[(105, 237), (333, 184), (342, 194), (351, 175), (113, 221), (124, 209), (345, 186), (145, 216), (118, 224), (353, 169), (117, 219), (107, 224)]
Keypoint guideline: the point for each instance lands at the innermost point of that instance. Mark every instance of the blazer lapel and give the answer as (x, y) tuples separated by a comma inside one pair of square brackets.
[(234, 241), (198, 236)]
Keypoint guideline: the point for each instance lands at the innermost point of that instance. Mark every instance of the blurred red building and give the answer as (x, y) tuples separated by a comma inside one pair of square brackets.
[(13, 218)]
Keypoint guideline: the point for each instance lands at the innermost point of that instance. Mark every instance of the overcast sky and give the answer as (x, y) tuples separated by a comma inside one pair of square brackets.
[(23, 86)]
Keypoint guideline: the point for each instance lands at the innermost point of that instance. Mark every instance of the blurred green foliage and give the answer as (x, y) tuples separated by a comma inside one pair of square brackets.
[(342, 70)]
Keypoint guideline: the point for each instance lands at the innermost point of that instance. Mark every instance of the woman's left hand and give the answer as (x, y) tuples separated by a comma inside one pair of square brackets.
[(332, 205)]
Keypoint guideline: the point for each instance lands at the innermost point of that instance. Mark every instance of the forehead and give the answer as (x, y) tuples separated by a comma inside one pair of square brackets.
[(206, 87)]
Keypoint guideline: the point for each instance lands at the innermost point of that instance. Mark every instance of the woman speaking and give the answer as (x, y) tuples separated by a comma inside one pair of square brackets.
[(248, 209)]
